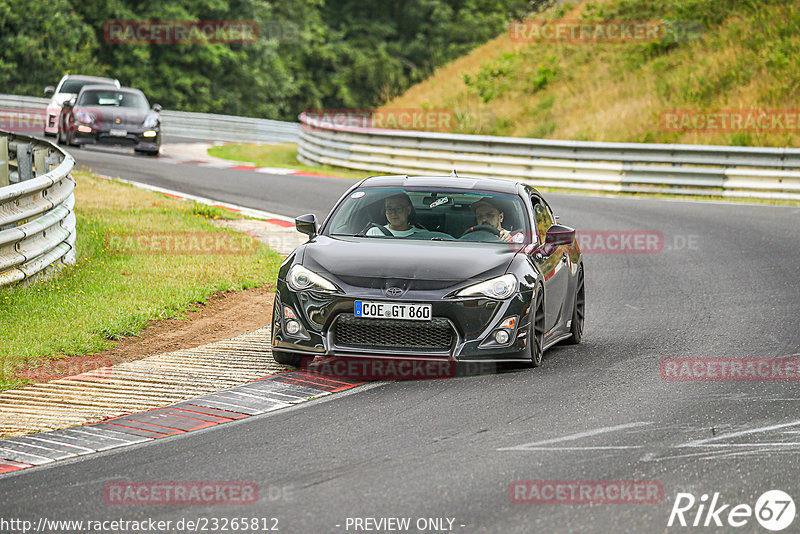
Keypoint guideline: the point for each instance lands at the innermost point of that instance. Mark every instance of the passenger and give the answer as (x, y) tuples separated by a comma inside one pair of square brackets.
[(400, 214), (488, 212)]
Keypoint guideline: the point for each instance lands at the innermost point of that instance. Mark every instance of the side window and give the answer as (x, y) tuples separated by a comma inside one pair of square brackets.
[(542, 217)]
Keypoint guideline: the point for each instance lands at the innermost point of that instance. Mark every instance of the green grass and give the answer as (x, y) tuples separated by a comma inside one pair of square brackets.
[(109, 294), (283, 156)]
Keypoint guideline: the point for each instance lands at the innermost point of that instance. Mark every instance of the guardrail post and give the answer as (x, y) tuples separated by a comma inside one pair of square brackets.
[(39, 166), (3, 161), (24, 161)]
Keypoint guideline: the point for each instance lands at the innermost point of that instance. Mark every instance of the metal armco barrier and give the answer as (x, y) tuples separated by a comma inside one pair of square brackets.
[(749, 172), (37, 219), (204, 126)]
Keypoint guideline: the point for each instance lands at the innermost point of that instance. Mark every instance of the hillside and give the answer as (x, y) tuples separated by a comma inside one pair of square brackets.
[(738, 56)]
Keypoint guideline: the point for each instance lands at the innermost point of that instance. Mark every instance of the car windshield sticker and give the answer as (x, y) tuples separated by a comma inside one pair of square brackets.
[(357, 194), (443, 200)]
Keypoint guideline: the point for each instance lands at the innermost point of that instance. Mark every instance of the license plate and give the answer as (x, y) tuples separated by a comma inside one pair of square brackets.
[(118, 133), (393, 310)]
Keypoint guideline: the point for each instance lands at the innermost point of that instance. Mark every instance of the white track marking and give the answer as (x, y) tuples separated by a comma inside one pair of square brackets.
[(705, 442), (536, 445)]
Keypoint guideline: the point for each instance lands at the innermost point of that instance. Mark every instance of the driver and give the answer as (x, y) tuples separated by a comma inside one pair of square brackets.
[(398, 212), (488, 212)]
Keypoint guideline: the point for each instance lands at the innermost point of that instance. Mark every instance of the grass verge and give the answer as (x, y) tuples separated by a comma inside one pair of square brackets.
[(119, 284), (283, 156)]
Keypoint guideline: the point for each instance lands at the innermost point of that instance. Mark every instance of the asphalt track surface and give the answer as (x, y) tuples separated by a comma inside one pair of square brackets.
[(725, 285)]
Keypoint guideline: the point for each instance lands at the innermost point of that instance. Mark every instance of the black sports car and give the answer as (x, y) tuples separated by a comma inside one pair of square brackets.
[(112, 116), (431, 268)]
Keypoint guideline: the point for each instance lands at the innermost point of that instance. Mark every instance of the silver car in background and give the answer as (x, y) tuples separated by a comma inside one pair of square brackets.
[(67, 89)]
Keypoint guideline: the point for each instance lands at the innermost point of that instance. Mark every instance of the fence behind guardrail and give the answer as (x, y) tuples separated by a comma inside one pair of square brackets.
[(37, 219), (751, 172)]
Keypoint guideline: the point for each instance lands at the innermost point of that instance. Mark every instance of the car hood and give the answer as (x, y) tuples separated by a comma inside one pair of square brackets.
[(117, 117), (407, 259)]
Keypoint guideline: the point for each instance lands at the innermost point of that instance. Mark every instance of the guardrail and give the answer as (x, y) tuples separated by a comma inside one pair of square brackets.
[(749, 172), (204, 126), (37, 219)]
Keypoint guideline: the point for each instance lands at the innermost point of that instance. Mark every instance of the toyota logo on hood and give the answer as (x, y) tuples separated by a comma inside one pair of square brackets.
[(394, 292)]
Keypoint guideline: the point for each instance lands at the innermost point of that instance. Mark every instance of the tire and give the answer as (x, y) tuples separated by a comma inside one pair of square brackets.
[(578, 313), (287, 358), (536, 331)]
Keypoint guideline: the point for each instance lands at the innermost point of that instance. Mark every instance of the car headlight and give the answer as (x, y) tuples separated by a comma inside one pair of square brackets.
[(300, 278), (501, 287), (150, 121), (84, 117)]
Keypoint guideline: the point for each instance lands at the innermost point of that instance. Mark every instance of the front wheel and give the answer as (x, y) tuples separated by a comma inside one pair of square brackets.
[(287, 358)]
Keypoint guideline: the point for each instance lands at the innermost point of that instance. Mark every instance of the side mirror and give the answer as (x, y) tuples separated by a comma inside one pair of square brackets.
[(69, 104), (556, 236), (559, 235), (307, 224), (157, 108), (49, 90)]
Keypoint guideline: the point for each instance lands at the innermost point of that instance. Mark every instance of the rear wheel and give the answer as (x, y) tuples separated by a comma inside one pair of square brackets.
[(536, 344), (578, 313)]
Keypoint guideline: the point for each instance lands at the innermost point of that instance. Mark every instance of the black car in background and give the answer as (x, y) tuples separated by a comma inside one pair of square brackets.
[(444, 285), (111, 116)]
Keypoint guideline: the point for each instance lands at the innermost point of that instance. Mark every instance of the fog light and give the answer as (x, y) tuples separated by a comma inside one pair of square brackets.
[(149, 133), (293, 327), (501, 336), (85, 129)]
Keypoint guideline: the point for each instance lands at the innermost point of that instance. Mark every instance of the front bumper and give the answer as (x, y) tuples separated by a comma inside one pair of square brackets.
[(472, 322), (133, 138)]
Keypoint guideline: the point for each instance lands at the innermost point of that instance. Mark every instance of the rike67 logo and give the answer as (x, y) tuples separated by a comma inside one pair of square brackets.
[(774, 510)]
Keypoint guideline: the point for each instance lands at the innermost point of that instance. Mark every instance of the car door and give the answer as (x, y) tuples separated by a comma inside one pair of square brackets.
[(552, 261)]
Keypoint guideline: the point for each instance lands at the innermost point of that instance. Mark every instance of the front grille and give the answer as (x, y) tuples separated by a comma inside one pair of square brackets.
[(352, 331)]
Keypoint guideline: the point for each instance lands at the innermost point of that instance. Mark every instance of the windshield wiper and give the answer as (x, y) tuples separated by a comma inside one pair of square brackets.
[(443, 239)]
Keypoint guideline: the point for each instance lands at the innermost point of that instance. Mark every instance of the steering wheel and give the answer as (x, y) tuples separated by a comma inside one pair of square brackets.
[(482, 228), (380, 227)]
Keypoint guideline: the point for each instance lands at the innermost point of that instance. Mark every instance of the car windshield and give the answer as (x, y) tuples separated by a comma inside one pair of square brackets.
[(122, 99), (74, 86), (435, 214)]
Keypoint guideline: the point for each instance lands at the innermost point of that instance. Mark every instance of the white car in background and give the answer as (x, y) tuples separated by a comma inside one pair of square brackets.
[(68, 88)]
